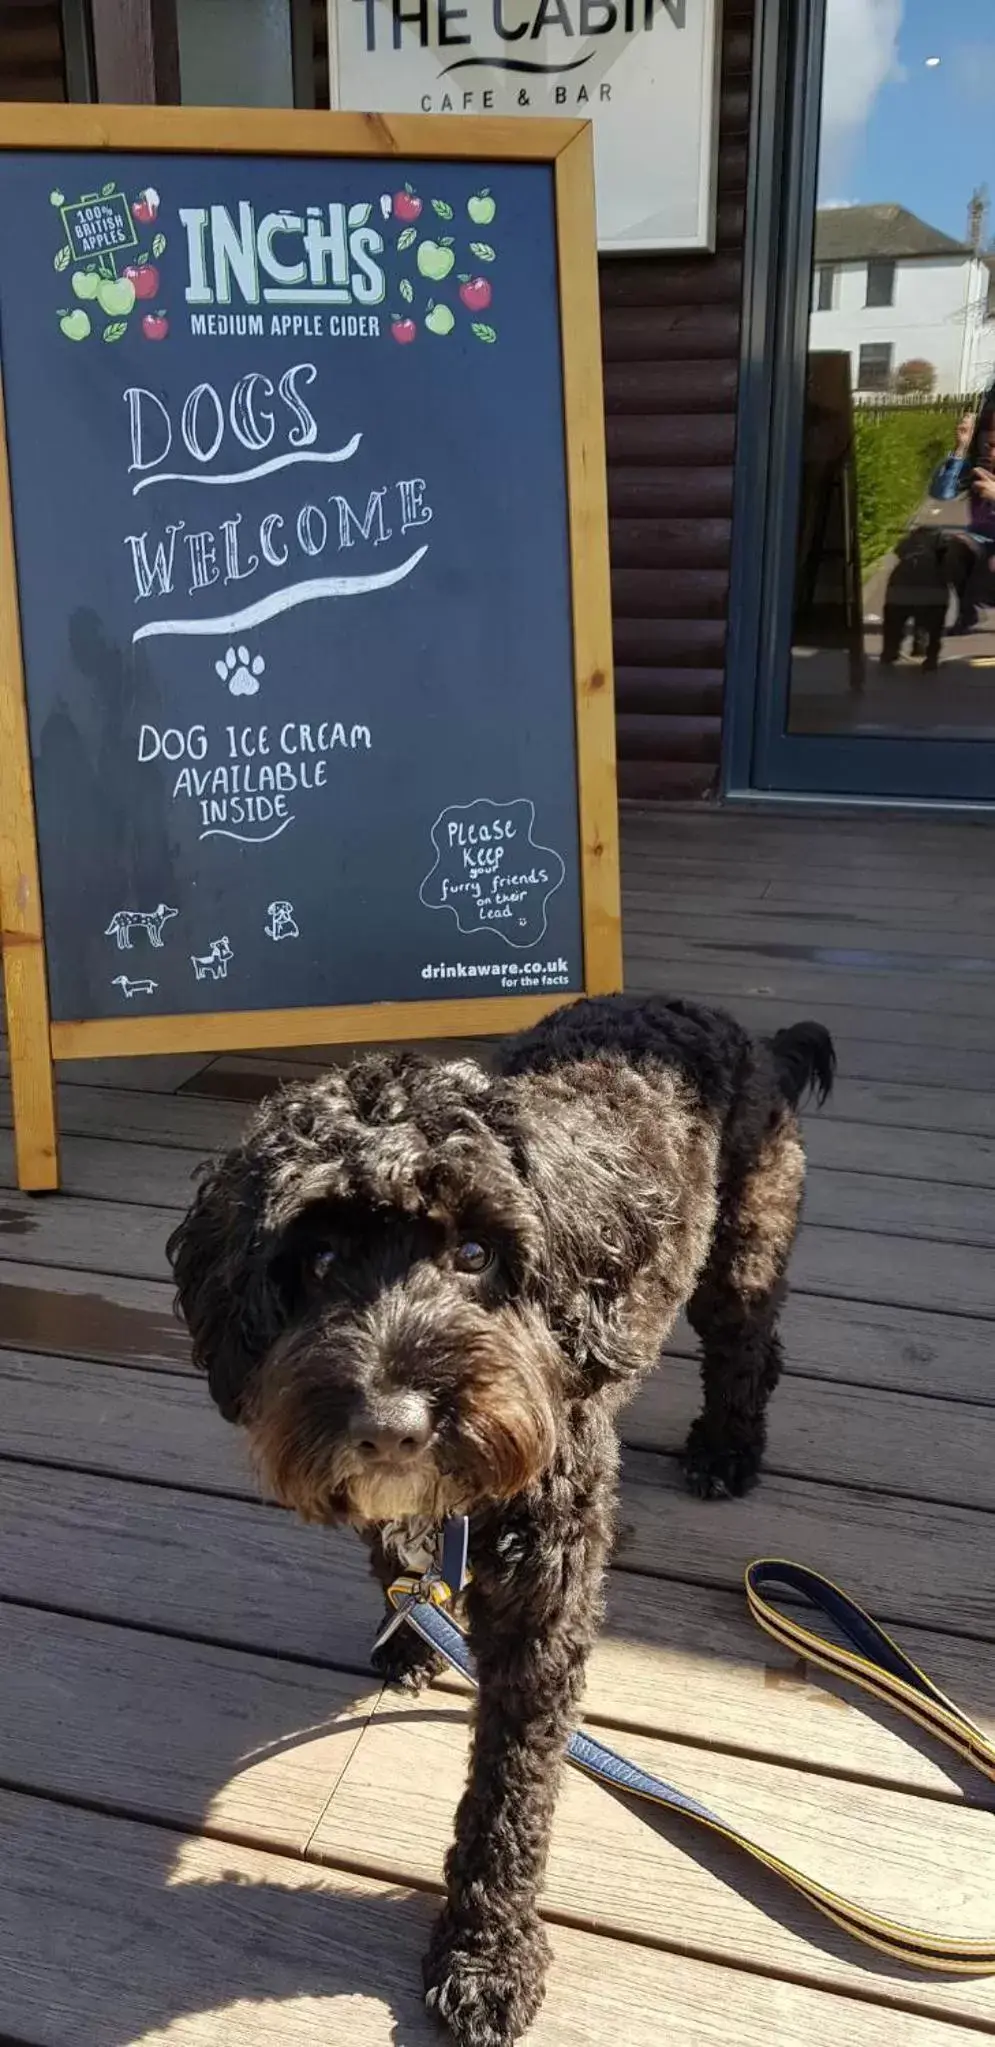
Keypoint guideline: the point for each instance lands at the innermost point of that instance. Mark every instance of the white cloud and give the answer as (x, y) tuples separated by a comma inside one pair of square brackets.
[(861, 57)]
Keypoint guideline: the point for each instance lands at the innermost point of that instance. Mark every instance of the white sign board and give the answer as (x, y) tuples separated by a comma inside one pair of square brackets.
[(645, 72)]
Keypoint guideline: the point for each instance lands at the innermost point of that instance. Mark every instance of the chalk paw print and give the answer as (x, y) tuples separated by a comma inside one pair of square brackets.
[(239, 672)]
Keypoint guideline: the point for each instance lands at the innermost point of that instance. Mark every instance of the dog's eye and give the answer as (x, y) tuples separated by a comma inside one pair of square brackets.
[(472, 1256), (322, 1263)]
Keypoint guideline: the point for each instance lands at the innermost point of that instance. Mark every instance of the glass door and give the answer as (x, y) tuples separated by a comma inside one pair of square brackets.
[(883, 682)]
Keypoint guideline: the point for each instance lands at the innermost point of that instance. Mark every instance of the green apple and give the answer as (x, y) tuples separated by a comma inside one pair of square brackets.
[(75, 326), (86, 284), (440, 320), (115, 295), (481, 208), (435, 261)]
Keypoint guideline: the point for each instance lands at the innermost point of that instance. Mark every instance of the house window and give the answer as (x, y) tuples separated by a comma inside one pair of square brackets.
[(874, 370), (880, 283), (825, 288)]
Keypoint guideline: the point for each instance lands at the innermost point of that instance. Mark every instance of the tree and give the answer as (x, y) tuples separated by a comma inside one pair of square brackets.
[(915, 378)]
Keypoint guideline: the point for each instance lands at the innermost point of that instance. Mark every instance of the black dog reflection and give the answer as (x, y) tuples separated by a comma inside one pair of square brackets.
[(929, 566)]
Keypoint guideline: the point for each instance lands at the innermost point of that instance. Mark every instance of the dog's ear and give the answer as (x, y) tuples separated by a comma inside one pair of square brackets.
[(225, 1290)]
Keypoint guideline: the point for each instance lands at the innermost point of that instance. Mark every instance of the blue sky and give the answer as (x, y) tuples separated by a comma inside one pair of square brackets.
[(896, 129)]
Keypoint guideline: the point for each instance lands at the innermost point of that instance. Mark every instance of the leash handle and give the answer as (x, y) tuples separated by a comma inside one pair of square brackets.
[(873, 1661)]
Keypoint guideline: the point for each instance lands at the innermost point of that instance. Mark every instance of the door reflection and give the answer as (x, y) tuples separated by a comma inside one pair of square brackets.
[(894, 624)]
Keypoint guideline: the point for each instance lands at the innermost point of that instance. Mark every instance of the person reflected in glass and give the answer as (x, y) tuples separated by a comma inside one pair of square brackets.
[(970, 469)]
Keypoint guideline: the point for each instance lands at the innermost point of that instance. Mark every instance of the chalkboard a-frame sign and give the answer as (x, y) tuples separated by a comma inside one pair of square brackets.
[(306, 720)]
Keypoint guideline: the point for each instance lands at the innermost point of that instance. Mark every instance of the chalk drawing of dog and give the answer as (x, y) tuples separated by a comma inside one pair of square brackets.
[(213, 963), (130, 988), (124, 922)]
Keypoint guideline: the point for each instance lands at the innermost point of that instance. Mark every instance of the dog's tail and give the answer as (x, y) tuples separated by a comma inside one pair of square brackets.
[(805, 1057)]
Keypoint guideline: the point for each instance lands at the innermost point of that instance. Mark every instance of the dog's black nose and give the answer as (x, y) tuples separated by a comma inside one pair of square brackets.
[(393, 1426)]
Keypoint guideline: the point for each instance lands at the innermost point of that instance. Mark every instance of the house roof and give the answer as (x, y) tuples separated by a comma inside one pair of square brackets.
[(852, 234)]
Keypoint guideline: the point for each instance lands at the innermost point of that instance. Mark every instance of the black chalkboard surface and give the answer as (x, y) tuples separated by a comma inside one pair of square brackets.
[(306, 517)]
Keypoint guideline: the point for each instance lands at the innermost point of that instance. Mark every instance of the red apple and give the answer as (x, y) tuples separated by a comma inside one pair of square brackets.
[(146, 206), (475, 293), (403, 331), (145, 278), (155, 326), (407, 205)]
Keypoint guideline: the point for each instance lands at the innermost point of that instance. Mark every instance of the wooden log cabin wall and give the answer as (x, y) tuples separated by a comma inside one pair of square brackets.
[(671, 345), (32, 56)]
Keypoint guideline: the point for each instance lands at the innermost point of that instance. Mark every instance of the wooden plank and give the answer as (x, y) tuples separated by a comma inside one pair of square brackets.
[(104, 1169), (906, 1560), (664, 1646), (92, 1236), (853, 933), (908, 1350), (591, 604), (904, 1207), (224, 1571), (927, 1155), (882, 834), (127, 1239), (125, 1321), (119, 1550), (46, 1308), (724, 975), (849, 1021), (278, 1953), (235, 1030), (709, 890), (287, 132), (78, 1413), (258, 1747), (839, 1435), (145, 1118), (22, 944), (89, 1713), (669, 493), (914, 1108), (160, 1073), (613, 1867), (907, 1272)]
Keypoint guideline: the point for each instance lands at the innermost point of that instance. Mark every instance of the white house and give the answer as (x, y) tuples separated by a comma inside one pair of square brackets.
[(889, 289)]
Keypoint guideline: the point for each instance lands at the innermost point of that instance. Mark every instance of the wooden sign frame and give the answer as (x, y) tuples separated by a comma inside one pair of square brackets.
[(35, 1041)]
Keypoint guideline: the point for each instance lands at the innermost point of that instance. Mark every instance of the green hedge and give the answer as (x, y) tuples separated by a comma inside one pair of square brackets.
[(897, 450)]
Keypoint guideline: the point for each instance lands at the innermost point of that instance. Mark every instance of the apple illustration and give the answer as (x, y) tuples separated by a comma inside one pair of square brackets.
[(435, 260), (475, 293), (439, 320), (403, 330), (115, 295), (86, 283), (407, 205), (155, 326), (146, 206), (144, 277), (481, 208), (75, 326)]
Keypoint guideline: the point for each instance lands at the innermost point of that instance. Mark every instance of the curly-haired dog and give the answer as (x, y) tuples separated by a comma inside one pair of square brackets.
[(427, 1289)]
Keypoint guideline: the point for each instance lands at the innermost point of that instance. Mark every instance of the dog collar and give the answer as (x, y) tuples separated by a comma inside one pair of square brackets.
[(443, 1578)]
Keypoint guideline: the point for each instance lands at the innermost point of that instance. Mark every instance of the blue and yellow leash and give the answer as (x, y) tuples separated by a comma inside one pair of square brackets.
[(874, 1662)]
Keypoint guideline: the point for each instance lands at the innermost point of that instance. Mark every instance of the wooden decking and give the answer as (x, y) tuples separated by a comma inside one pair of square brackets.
[(214, 1828)]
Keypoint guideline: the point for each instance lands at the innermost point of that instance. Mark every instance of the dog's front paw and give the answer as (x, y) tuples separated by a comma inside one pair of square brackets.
[(714, 1471), (406, 1662), (486, 1985)]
